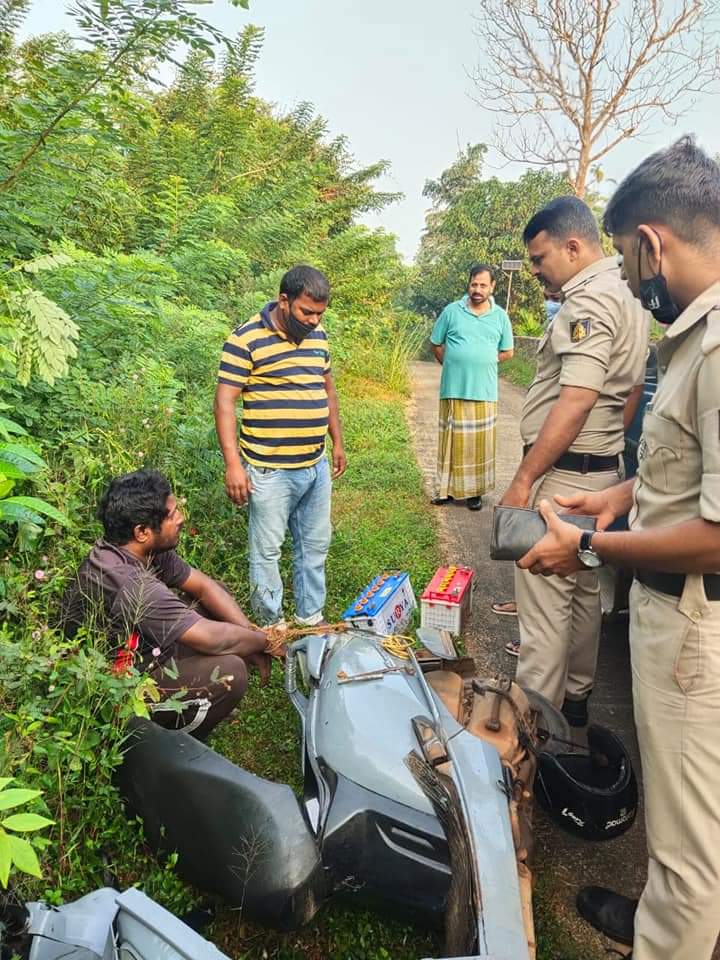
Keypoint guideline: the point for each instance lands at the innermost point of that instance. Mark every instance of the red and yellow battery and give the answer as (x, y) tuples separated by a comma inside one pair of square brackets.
[(445, 602)]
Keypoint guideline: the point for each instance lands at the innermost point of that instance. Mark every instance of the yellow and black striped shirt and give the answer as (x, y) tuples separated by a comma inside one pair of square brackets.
[(285, 404)]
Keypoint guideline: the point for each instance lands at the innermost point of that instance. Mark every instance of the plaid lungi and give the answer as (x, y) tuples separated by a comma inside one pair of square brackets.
[(466, 448)]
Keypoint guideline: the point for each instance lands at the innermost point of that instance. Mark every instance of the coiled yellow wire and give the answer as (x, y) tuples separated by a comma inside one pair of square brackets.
[(397, 645)]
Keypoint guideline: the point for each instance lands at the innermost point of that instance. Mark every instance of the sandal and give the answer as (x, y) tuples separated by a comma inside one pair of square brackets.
[(513, 648), (498, 605)]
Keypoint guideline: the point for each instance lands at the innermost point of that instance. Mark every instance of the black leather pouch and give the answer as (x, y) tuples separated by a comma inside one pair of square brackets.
[(516, 530)]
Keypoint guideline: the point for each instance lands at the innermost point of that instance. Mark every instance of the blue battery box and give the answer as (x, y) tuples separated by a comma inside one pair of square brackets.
[(385, 606)]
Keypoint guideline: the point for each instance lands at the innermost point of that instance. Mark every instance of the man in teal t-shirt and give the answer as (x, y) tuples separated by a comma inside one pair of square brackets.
[(468, 339)]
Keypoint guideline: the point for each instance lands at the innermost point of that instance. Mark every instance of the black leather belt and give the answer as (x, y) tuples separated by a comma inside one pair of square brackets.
[(674, 583), (583, 462)]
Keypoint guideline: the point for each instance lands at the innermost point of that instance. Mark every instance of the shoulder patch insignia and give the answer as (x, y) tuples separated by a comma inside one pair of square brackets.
[(579, 329)]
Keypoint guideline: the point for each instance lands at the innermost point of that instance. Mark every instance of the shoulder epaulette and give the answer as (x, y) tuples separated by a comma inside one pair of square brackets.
[(711, 337)]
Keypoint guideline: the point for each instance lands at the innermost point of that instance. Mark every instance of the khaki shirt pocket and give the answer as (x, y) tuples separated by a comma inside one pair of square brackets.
[(662, 461)]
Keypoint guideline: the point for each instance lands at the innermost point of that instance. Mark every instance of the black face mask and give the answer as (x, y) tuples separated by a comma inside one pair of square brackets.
[(296, 330), (655, 296)]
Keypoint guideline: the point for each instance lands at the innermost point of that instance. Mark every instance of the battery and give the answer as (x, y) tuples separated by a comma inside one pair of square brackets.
[(445, 602), (385, 606)]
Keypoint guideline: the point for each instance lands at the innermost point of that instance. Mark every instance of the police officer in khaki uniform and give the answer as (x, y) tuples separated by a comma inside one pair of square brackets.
[(665, 221), (590, 368)]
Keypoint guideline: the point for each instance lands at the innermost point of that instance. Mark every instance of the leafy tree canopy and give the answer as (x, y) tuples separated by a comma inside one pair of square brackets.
[(474, 218)]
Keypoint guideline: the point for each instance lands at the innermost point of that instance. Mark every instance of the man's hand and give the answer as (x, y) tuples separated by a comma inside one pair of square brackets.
[(263, 664), (516, 495), (557, 552), (276, 641), (599, 505), (237, 484), (339, 461)]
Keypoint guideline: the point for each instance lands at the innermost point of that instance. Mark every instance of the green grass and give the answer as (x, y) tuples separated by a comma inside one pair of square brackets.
[(553, 942), (380, 521), (519, 371)]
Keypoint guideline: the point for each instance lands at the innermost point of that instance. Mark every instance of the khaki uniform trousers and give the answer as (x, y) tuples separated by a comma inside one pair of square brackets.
[(675, 652), (560, 617)]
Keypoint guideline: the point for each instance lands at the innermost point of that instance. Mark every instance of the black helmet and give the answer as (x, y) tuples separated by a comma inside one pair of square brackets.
[(594, 793)]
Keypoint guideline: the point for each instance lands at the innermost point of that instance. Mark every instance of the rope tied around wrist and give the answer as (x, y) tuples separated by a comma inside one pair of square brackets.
[(280, 635)]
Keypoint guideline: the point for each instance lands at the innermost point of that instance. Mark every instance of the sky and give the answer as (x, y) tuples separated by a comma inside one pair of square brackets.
[(393, 76)]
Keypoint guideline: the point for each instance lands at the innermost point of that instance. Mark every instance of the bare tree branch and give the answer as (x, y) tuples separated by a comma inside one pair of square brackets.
[(571, 79)]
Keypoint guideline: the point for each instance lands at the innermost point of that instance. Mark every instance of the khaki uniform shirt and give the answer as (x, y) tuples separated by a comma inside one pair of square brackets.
[(598, 339), (679, 455)]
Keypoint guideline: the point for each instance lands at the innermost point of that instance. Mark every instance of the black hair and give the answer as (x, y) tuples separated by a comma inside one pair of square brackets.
[(138, 498), (305, 279), (678, 186), (477, 268), (563, 217)]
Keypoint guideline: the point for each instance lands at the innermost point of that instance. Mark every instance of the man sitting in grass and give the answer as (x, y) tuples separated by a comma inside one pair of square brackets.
[(126, 588)]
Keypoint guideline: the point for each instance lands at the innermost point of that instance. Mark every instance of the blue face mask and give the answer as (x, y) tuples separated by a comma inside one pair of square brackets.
[(551, 308), (654, 293)]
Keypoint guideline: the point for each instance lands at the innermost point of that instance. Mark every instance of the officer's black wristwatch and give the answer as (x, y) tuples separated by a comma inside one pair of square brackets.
[(586, 555)]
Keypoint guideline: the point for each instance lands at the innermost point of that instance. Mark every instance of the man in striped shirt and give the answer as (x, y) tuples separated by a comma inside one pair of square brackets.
[(279, 364)]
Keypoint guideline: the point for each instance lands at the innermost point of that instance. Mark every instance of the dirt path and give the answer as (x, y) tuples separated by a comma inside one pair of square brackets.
[(563, 863)]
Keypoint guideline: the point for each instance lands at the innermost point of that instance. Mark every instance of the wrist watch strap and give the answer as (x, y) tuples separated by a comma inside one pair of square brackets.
[(586, 539)]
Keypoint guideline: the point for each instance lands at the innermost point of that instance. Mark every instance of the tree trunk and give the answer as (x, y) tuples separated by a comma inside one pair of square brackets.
[(583, 168)]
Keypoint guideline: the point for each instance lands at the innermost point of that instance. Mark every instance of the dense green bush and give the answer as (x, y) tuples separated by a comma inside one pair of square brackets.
[(137, 227)]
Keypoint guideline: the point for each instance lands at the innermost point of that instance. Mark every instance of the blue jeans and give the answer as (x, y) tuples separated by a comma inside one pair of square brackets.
[(299, 499)]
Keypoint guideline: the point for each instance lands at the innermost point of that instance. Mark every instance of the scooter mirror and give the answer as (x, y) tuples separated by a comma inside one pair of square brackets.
[(437, 642)]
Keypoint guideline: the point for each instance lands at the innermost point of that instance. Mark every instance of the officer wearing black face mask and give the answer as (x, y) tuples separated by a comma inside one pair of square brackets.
[(653, 292), (665, 222)]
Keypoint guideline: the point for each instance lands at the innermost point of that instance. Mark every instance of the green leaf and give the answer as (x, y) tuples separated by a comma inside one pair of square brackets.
[(17, 461), (140, 708), (104, 7), (24, 857), (39, 506), (15, 514), (50, 336), (47, 262), (9, 426), (11, 471), (147, 687), (20, 450), (26, 822), (5, 858), (16, 797), (4, 781), (5, 485), (170, 669)]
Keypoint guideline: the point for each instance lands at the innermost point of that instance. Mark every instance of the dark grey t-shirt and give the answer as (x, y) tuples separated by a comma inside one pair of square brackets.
[(117, 594)]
